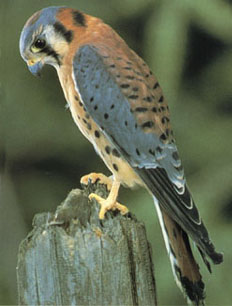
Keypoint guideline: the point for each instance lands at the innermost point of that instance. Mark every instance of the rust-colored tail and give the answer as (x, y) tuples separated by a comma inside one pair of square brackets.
[(185, 269)]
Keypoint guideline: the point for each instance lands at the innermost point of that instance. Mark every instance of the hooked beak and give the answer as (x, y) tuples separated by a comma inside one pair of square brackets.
[(35, 67)]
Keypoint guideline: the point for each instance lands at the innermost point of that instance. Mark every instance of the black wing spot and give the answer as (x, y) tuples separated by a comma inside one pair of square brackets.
[(91, 99), (154, 109), (81, 104), (107, 149), (76, 98), (141, 109), (112, 66), (95, 107), (161, 99), (126, 123), (97, 134), (165, 119), (115, 167), (106, 116), (152, 152), (163, 137), (148, 124), (156, 85), (148, 99), (112, 106), (115, 153), (133, 97), (158, 149), (124, 85), (137, 152)]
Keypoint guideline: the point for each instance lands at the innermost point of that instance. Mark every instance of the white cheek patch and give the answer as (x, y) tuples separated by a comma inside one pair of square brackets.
[(56, 41), (50, 34)]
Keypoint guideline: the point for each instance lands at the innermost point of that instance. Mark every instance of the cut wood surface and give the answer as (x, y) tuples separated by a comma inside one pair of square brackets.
[(73, 258)]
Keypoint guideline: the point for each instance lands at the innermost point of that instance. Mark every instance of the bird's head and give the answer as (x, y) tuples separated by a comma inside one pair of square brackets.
[(45, 39)]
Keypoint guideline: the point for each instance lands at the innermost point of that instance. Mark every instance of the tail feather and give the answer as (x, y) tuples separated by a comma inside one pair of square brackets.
[(185, 269)]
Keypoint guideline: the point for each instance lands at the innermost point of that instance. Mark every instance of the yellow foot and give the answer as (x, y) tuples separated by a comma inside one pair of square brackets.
[(97, 177), (106, 204), (111, 202)]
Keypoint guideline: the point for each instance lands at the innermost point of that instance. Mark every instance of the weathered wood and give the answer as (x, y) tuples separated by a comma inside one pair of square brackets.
[(80, 260)]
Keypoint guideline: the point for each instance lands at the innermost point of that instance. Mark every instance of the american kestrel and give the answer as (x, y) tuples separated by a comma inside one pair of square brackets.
[(118, 104)]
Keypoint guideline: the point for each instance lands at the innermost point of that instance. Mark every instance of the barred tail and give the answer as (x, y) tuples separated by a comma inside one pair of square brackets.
[(185, 269)]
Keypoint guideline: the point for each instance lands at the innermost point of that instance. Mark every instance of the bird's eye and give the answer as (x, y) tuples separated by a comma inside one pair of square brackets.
[(38, 45)]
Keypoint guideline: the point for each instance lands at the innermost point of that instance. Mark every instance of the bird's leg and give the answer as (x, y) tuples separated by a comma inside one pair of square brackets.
[(111, 202)]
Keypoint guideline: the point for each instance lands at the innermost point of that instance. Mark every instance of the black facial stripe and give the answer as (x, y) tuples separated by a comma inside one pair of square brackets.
[(60, 29), (78, 18), (50, 52)]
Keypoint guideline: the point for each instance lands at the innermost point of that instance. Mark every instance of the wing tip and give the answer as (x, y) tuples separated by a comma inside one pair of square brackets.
[(217, 258)]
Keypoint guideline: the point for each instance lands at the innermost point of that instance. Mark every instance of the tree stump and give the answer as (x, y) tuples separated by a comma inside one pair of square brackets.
[(73, 258)]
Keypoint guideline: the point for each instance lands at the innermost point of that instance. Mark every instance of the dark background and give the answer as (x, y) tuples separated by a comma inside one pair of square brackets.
[(188, 45)]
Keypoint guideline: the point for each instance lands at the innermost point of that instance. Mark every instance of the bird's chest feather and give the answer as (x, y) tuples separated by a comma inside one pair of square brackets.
[(109, 154)]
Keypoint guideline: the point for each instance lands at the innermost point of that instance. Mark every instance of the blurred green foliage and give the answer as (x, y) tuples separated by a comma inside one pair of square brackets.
[(188, 45)]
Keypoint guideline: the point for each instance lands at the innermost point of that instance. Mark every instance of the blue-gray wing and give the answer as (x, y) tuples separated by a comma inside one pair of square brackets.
[(111, 110), (156, 162)]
